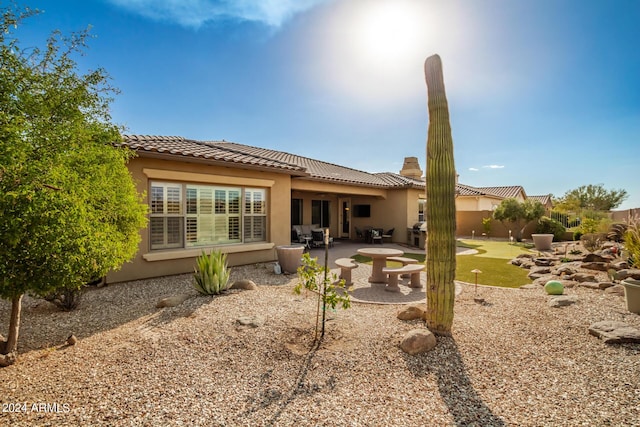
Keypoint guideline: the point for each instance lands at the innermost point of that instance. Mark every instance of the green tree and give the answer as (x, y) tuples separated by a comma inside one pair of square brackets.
[(69, 210), (514, 214), (591, 197), (441, 208)]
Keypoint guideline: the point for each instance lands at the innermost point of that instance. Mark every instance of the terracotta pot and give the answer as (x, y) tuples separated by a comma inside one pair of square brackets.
[(542, 242), (290, 257)]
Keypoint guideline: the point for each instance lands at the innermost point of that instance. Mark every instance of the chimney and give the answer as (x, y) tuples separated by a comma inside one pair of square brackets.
[(411, 168)]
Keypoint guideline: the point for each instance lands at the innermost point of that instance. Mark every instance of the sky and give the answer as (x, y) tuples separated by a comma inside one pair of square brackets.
[(544, 94)]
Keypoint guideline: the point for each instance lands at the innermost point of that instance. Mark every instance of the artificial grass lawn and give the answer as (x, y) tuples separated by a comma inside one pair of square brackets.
[(492, 259)]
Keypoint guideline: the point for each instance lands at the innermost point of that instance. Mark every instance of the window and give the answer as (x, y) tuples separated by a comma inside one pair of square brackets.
[(421, 205), (320, 212), (296, 211), (206, 216), (166, 220)]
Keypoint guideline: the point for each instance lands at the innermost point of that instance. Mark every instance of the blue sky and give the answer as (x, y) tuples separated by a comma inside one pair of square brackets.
[(543, 94)]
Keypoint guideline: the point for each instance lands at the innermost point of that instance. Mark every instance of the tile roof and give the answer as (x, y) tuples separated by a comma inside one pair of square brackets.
[(504, 192), (189, 148), (316, 169), (544, 199), (298, 166), (397, 180)]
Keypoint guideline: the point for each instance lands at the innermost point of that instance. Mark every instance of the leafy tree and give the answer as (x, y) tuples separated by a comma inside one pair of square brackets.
[(591, 197), (514, 214), (441, 208), (69, 210)]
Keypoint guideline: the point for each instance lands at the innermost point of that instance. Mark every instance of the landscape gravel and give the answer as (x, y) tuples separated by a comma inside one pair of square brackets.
[(512, 361)]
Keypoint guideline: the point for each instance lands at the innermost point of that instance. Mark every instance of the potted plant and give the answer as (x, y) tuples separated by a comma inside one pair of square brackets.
[(632, 294)]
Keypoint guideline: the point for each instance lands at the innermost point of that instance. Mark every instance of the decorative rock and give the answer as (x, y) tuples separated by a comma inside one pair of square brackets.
[(251, 321), (244, 284), (562, 300), (612, 332), (554, 287), (411, 313), (172, 301), (581, 277), (626, 273), (541, 281), (600, 266), (527, 264), (566, 269), (544, 262), (418, 341), (615, 290), (72, 340), (619, 265), (605, 285), (537, 272), (596, 258), (589, 285)]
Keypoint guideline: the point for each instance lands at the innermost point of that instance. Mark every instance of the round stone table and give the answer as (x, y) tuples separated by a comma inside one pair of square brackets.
[(379, 256)]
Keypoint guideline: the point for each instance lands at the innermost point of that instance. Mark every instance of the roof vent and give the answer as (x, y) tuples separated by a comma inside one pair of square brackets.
[(411, 168)]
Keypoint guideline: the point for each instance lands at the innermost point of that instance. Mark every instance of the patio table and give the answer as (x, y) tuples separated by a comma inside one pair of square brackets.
[(379, 256)]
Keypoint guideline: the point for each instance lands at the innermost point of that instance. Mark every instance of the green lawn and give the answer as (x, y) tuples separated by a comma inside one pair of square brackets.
[(492, 259)]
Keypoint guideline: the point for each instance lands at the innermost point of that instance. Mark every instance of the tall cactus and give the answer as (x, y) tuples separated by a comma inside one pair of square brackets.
[(441, 209)]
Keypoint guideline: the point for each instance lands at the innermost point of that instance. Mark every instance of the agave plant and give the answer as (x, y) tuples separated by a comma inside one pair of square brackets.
[(211, 273)]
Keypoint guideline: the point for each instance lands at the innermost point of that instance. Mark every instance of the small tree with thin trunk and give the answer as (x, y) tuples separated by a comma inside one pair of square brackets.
[(69, 210), (516, 215), (441, 208)]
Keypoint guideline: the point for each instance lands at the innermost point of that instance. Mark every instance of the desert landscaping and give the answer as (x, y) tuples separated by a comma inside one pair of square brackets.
[(247, 358)]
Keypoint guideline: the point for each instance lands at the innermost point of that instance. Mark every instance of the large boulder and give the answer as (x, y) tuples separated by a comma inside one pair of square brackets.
[(172, 301), (562, 300), (418, 341), (244, 284), (613, 332), (412, 312), (596, 258)]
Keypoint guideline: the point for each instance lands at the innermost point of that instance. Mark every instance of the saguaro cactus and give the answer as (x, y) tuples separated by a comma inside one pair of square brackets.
[(441, 208)]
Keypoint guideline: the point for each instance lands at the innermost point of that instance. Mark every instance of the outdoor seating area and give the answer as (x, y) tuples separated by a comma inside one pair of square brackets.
[(309, 235), (374, 235)]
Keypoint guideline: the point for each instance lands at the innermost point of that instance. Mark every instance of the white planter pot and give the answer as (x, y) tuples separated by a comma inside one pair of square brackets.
[(542, 242), (632, 294)]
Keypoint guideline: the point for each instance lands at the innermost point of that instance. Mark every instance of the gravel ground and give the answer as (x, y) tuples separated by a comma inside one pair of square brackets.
[(511, 361)]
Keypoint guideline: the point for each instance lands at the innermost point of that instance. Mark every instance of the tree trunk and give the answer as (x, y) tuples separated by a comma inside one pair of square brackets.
[(441, 209), (14, 325)]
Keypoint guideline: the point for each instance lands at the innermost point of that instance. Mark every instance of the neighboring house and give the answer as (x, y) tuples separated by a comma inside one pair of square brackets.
[(546, 201), (244, 201)]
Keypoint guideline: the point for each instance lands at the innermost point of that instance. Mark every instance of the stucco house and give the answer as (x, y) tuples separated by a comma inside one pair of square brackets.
[(244, 200)]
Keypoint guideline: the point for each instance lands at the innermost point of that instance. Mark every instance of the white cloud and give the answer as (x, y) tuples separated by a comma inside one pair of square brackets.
[(194, 13), (493, 166), (474, 169)]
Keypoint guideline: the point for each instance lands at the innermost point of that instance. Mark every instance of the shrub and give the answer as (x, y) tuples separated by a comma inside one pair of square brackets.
[(577, 234), (616, 232), (632, 242), (593, 241), (211, 273), (547, 225)]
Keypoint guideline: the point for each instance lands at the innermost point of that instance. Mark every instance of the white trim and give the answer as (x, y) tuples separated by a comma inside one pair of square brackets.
[(194, 252), (194, 177)]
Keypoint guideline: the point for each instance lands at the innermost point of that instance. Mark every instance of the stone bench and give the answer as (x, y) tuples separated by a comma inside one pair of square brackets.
[(346, 265), (404, 261), (412, 269)]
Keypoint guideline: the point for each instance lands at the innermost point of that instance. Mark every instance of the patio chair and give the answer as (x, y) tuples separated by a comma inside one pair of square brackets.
[(388, 235), (318, 238), (376, 235), (359, 234)]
